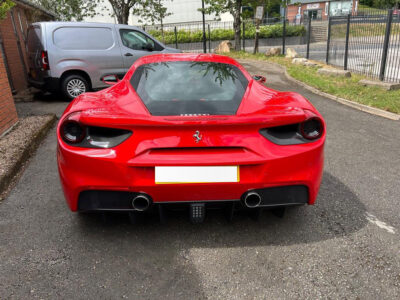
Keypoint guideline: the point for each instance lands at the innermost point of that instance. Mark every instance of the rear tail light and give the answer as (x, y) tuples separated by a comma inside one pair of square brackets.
[(298, 133), (74, 133), (45, 61), (311, 129)]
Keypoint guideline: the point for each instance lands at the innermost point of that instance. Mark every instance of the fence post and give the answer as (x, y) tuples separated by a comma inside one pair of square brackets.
[(346, 49), (308, 38), (244, 36), (204, 27), (284, 32), (386, 45), (176, 38), (209, 39), (328, 41)]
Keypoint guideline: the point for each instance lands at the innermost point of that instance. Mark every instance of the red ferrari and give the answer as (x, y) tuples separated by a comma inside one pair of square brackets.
[(189, 130)]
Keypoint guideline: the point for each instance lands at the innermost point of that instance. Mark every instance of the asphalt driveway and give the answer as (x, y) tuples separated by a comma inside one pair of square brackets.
[(346, 246)]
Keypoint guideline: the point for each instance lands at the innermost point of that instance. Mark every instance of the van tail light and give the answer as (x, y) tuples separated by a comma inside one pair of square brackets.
[(45, 61)]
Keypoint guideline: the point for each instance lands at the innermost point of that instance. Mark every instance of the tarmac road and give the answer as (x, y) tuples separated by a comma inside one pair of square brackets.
[(346, 246)]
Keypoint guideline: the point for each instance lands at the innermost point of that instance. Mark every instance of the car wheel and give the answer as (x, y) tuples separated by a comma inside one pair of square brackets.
[(74, 85)]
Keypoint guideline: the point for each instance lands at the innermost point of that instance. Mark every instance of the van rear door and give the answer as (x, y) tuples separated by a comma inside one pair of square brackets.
[(35, 48)]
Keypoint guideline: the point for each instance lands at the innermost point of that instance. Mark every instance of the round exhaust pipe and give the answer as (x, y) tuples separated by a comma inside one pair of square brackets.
[(141, 202), (252, 200)]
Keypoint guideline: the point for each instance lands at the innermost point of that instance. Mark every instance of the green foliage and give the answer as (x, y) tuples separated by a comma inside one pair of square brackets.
[(70, 10), (5, 6), (380, 3), (268, 31), (122, 9), (152, 11), (344, 87)]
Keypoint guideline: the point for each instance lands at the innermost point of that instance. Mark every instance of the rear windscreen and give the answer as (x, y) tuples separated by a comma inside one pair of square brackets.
[(34, 39), (189, 88)]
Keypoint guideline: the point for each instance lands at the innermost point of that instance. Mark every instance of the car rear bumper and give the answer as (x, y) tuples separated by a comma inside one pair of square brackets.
[(98, 179), (49, 84), (104, 200)]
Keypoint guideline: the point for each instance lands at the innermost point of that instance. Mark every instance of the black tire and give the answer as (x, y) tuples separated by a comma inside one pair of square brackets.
[(74, 80)]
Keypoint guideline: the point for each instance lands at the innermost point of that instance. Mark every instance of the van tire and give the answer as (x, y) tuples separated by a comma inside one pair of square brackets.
[(73, 85)]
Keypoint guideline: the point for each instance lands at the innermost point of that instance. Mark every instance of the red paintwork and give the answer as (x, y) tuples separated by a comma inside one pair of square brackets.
[(168, 140)]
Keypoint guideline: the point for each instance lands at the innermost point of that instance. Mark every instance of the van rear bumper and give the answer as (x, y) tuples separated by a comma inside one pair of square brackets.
[(50, 84)]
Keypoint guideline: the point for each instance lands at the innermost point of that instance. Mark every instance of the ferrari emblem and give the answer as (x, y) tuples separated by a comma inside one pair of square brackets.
[(197, 136)]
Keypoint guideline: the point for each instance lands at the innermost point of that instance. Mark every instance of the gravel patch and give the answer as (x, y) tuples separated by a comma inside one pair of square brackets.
[(19, 144)]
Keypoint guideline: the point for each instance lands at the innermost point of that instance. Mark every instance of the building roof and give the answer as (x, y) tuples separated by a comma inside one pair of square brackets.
[(37, 7)]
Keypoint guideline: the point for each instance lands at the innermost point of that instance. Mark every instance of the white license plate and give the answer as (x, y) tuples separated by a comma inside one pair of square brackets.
[(201, 174)]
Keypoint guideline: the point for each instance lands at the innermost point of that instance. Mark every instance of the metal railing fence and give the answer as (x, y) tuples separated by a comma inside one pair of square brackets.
[(188, 36), (367, 42)]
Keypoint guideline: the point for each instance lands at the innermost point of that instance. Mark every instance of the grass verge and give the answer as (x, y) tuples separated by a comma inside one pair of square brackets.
[(347, 88)]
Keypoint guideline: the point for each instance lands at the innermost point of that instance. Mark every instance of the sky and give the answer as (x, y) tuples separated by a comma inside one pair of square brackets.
[(182, 11)]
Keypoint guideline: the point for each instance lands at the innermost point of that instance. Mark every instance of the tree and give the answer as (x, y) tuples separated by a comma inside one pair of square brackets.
[(68, 10), (5, 6), (153, 11), (123, 8), (381, 3), (231, 6)]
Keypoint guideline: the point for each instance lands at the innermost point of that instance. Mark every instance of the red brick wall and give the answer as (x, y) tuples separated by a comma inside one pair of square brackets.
[(16, 67), (293, 9), (8, 114)]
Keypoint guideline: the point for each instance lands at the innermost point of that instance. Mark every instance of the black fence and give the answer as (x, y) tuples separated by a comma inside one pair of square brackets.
[(189, 36), (366, 42)]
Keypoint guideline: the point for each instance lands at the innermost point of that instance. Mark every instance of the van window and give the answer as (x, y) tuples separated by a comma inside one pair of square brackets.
[(83, 38), (33, 41), (136, 40)]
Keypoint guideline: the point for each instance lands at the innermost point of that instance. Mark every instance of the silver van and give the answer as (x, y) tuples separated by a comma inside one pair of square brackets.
[(72, 57)]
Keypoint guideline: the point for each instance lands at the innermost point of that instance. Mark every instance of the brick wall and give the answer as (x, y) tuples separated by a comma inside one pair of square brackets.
[(8, 114), (12, 52), (293, 10)]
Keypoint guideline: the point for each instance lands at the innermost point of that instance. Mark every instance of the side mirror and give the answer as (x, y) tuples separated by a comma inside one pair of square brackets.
[(259, 78), (110, 79)]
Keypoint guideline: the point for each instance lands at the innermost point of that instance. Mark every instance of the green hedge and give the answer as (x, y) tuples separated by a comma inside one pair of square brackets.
[(268, 31)]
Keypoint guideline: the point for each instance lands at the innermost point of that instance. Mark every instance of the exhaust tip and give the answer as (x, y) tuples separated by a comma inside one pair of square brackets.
[(141, 202), (252, 200)]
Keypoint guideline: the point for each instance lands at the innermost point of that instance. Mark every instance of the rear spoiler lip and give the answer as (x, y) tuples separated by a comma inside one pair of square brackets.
[(270, 119)]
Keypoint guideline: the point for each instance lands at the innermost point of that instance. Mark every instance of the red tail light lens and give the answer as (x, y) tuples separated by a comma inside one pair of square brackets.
[(312, 128), (45, 61), (72, 132)]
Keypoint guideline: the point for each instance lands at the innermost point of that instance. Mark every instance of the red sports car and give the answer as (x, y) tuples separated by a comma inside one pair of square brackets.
[(193, 130)]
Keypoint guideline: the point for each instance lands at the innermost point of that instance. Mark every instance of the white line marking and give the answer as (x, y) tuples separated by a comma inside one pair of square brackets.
[(374, 220)]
